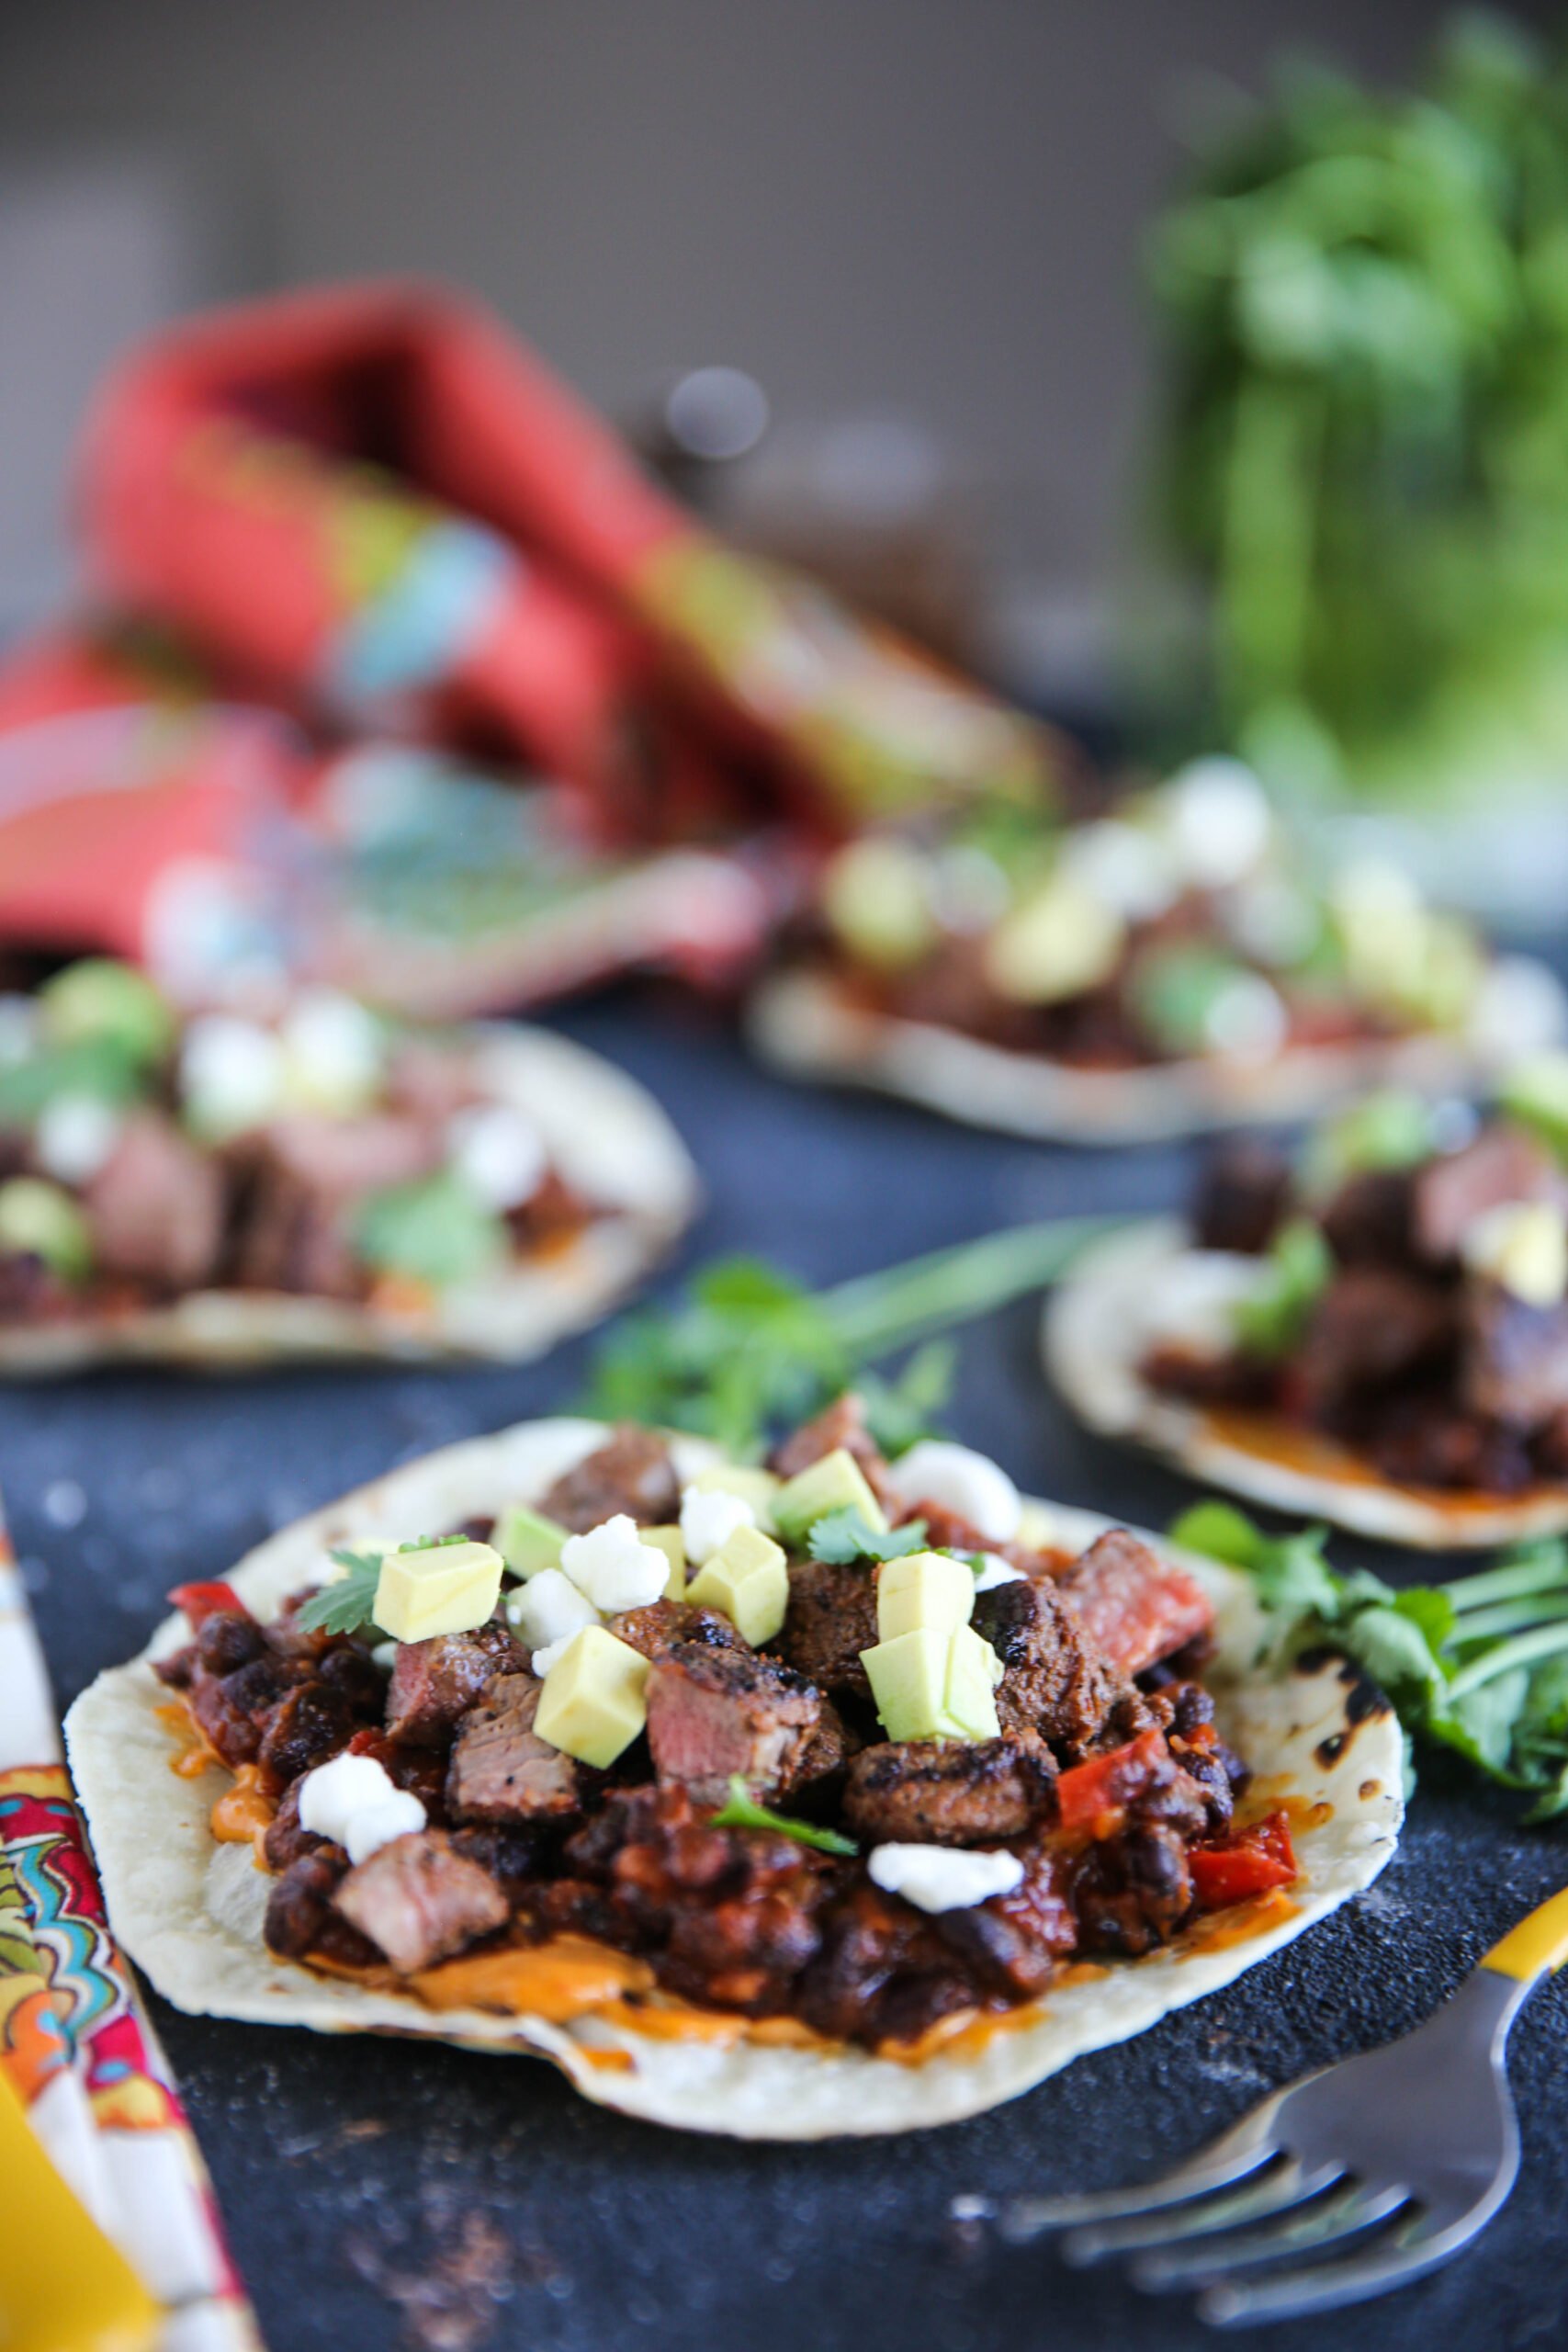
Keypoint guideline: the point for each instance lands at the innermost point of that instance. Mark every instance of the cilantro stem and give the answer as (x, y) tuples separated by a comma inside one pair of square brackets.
[(876, 1313), (1508, 1617), (1525, 1649), (1509, 1583)]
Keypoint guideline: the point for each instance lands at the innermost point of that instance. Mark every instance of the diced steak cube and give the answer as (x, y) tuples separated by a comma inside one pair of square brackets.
[(501, 1770), (1371, 1327), (306, 1728), (1503, 1164), (631, 1472), (1371, 1221), (156, 1207), (1243, 1194), (945, 1793), (1056, 1683), (306, 1174), (1134, 1608), (436, 1681), (1513, 1357), (715, 1712), (419, 1899), (831, 1618), (842, 1425)]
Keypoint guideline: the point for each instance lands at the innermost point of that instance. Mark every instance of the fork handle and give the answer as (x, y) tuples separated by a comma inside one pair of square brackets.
[(1537, 1944)]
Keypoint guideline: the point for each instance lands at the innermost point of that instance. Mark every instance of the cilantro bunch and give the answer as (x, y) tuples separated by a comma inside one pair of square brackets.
[(750, 1349), (1479, 1664)]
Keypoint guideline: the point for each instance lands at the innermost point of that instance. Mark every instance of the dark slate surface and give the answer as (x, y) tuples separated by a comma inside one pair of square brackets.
[(347, 2170)]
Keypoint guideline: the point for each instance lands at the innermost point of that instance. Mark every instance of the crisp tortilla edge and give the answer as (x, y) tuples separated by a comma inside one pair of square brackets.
[(189, 1912), (1091, 1340), (803, 1023), (600, 1124)]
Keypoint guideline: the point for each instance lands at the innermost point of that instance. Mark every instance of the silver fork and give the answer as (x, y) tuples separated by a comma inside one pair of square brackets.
[(1349, 2182)]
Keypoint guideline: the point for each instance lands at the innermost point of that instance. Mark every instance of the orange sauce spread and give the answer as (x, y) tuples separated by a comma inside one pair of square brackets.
[(1238, 1923), (244, 1811), (1269, 1437), (558, 1980), (197, 1754)]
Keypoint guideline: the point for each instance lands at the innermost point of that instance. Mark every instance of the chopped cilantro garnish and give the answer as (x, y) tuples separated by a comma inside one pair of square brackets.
[(343, 1606), (840, 1536), (432, 1542), (742, 1812)]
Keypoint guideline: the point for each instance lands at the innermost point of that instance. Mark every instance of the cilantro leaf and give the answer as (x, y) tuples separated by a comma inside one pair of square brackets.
[(346, 1605), (840, 1536), (1297, 1268), (742, 1812)]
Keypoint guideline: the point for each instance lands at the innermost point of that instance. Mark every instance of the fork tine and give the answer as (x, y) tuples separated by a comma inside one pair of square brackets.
[(1230, 2158), (1323, 2287), (1328, 2223), (1281, 2190)]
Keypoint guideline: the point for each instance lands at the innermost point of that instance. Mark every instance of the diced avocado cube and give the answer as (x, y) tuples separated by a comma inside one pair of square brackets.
[(973, 1670), (669, 1541), (592, 1705), (876, 896), (37, 1220), (100, 999), (836, 1483), (1535, 1093), (757, 1488), (908, 1683), (431, 1230), (526, 1540), (437, 1588), (925, 1591), (748, 1577), (1057, 942)]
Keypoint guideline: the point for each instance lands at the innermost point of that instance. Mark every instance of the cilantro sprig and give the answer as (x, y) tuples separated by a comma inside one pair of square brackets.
[(1478, 1665), (343, 1606), (840, 1536), (748, 1348), (742, 1812)]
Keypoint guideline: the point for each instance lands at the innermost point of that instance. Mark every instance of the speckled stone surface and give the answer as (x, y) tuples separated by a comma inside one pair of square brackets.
[(378, 2192)]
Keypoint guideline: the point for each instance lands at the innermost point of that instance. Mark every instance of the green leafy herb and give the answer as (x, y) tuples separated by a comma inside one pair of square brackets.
[(343, 1606), (97, 1067), (434, 1230), (432, 1543), (1176, 989), (742, 1812), (1296, 1274), (749, 1349), (1382, 1131), (1479, 1664), (840, 1536)]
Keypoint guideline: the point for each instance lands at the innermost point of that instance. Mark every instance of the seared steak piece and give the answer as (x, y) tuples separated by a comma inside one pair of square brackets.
[(653, 1630), (843, 1424), (714, 1712), (1242, 1199), (501, 1770), (419, 1899), (832, 1617), (1133, 1606), (1371, 1221), (732, 1914), (945, 1793), (1420, 1438), (156, 1207), (300, 1921), (1502, 1164), (1513, 1357), (232, 1709), (631, 1472), (436, 1681), (1054, 1682), (1371, 1327), (312, 1725)]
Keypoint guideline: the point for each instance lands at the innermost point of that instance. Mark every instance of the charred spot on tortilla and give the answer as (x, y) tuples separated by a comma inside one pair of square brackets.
[(652, 1838), (219, 1189)]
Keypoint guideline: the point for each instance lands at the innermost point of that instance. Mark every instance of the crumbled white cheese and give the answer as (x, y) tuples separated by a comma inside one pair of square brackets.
[(74, 1136), (1247, 1019), (1523, 1245), (547, 1611), (709, 1519), (19, 1029), (334, 1051), (944, 1878), (971, 1484), (232, 1074), (994, 1571), (1192, 1299), (614, 1568), (1125, 867), (499, 1152), (1519, 1009), (1217, 820), (354, 1802)]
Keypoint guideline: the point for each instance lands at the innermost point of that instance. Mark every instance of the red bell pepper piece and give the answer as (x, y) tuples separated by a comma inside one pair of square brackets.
[(1249, 1861), (1092, 1798), (201, 1601)]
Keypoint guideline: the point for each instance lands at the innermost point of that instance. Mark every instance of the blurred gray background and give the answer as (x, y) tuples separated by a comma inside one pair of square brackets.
[(931, 208)]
